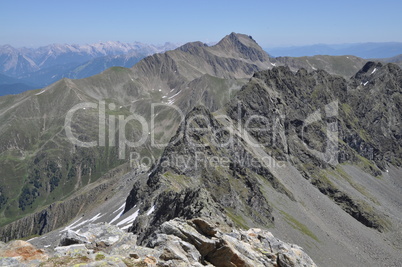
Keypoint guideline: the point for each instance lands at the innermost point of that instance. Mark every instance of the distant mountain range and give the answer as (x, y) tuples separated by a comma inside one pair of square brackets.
[(39, 67), (24, 69), (363, 50), (10, 85)]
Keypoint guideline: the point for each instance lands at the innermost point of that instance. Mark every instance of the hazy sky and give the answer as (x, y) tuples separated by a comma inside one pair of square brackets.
[(271, 23)]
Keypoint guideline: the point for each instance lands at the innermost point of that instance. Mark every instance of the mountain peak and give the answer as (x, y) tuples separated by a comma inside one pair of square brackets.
[(244, 45), (238, 39)]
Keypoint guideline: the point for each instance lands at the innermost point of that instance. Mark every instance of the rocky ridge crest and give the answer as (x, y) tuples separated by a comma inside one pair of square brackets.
[(176, 242)]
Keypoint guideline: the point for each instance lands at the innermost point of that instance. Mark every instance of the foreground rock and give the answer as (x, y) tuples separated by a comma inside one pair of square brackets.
[(21, 253), (176, 243)]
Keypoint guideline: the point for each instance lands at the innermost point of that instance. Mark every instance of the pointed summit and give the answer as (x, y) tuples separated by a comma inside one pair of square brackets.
[(243, 45)]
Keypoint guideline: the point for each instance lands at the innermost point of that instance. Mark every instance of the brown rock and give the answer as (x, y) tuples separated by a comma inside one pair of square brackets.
[(167, 254), (150, 260), (24, 250), (204, 227), (226, 256)]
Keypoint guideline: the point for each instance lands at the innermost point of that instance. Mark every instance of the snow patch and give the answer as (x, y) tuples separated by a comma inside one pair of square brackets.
[(130, 219), (365, 83), (73, 225), (97, 216), (273, 64), (151, 210), (117, 217), (41, 92), (125, 227), (171, 97), (121, 207), (374, 70)]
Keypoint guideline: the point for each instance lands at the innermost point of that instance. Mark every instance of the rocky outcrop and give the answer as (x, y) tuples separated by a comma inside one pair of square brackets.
[(177, 242), (254, 247)]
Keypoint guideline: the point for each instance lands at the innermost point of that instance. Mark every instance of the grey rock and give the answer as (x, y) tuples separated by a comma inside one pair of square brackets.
[(177, 242), (12, 262), (244, 248), (71, 237)]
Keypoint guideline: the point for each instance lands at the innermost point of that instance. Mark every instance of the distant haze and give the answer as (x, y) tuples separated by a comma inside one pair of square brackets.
[(364, 50)]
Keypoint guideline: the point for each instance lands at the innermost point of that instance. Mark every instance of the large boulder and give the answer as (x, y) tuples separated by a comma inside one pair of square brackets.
[(254, 247)]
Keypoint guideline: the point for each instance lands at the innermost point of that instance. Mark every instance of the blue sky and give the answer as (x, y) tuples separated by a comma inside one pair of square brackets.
[(271, 23)]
